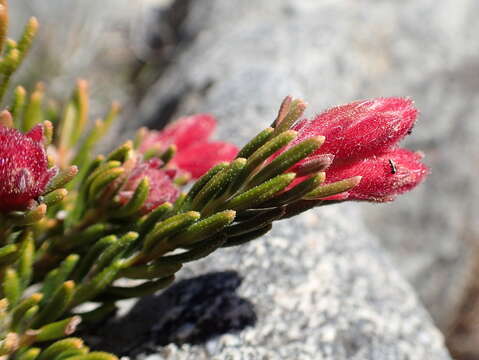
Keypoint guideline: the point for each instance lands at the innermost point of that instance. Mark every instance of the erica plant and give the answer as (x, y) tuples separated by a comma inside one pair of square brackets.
[(72, 224)]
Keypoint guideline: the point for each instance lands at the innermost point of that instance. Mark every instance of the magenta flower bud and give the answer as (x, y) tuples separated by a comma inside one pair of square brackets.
[(24, 171), (195, 153), (162, 188), (199, 158), (360, 129), (383, 177)]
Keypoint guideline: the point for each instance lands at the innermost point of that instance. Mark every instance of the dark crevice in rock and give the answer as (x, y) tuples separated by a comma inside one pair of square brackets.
[(165, 40)]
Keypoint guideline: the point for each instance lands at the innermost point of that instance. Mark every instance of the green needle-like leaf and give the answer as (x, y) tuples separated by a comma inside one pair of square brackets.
[(153, 271), (59, 347), (11, 285), (19, 311), (169, 227), (218, 184), (30, 354), (203, 229), (56, 277), (158, 214), (258, 141), (260, 193), (255, 223), (57, 329), (200, 250), (333, 188), (56, 305), (247, 237), (148, 288), (25, 264), (135, 203), (91, 288), (8, 254), (287, 159), (63, 177)]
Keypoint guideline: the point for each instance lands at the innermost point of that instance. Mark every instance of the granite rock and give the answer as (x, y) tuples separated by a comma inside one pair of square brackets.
[(322, 286), (246, 58)]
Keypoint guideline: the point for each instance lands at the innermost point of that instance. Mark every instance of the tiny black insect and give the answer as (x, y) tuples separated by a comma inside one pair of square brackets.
[(409, 132), (393, 166)]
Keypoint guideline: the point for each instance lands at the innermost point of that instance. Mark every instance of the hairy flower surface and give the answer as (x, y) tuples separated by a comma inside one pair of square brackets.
[(24, 171), (383, 177), (162, 188), (195, 153), (361, 140), (360, 129)]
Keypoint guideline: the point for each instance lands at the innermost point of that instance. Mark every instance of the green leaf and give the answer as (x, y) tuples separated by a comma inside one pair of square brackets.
[(92, 255), (287, 159), (18, 105), (25, 264), (30, 354), (61, 346), (33, 111), (56, 305), (88, 290), (261, 154), (200, 250), (167, 228), (247, 237), (8, 254), (333, 188), (136, 201), (255, 223), (260, 193), (258, 141), (200, 183), (158, 214), (295, 111), (218, 184), (63, 177), (55, 197), (147, 288), (103, 180), (56, 277), (96, 355), (151, 271), (12, 288), (296, 193), (58, 329), (203, 229), (121, 153), (19, 311)]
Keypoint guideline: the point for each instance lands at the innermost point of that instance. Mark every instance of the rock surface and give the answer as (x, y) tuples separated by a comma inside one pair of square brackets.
[(321, 285), (246, 58)]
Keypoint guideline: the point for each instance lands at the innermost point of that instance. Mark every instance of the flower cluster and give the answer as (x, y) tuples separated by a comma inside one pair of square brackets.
[(361, 139)]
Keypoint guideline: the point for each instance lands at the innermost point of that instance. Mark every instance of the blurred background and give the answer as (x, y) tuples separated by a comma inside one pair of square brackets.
[(424, 49)]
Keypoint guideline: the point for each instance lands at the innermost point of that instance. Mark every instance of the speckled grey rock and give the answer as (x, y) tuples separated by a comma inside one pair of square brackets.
[(249, 56), (321, 285)]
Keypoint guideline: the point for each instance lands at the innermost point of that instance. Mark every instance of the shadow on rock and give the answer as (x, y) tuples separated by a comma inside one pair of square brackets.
[(191, 311)]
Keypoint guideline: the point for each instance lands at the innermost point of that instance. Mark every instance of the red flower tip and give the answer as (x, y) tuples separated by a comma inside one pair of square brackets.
[(24, 171), (184, 132), (197, 159), (383, 177), (195, 154), (162, 188), (360, 129)]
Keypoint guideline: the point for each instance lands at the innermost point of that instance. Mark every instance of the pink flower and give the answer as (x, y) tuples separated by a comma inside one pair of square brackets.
[(360, 129), (24, 171), (195, 153), (362, 139), (162, 188), (383, 177)]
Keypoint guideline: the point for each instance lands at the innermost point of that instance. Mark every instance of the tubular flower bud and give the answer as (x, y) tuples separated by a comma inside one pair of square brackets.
[(360, 129), (24, 172), (162, 188), (383, 177), (195, 153)]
